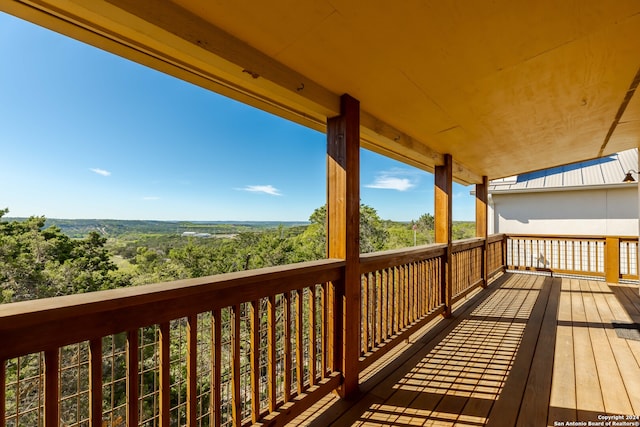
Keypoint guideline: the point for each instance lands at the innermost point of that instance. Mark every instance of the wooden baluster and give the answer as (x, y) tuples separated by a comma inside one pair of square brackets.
[(254, 319), (95, 381), (432, 271), (3, 388), (422, 283), (393, 302), (271, 349), (165, 377), (413, 291), (396, 306), (429, 272), (312, 335), (192, 369), (288, 365), (399, 300), (299, 343), (405, 289), (51, 388), (236, 400), (365, 314), (324, 363), (385, 306), (216, 368), (375, 309), (133, 377)]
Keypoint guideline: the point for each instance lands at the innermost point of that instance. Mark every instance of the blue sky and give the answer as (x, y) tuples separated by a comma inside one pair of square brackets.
[(86, 134)]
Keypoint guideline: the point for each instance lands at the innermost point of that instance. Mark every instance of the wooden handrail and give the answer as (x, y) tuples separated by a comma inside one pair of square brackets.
[(466, 244), (564, 236), (386, 259)]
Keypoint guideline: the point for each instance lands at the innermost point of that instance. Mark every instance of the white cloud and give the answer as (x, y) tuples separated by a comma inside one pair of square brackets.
[(393, 180), (266, 189), (151, 198), (100, 171)]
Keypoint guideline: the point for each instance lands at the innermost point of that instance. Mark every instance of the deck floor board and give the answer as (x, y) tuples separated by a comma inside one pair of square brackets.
[(530, 350)]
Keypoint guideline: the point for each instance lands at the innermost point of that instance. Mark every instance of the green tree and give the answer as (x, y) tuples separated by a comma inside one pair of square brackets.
[(37, 263), (373, 233)]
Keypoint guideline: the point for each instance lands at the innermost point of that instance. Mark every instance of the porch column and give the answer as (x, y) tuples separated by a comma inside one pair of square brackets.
[(612, 259), (482, 197), (443, 223), (343, 235)]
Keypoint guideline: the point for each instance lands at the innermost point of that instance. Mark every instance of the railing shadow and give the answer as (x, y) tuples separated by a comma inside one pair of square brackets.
[(457, 370)]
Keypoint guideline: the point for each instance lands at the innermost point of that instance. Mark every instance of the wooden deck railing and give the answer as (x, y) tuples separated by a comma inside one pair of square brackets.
[(257, 346), (611, 257), (467, 259), (227, 350), (401, 291), (222, 350)]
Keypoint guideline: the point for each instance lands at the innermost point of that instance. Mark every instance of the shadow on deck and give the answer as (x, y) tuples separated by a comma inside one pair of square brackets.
[(529, 350)]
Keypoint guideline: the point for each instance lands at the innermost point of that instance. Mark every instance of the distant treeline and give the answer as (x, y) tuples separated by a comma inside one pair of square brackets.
[(80, 228)]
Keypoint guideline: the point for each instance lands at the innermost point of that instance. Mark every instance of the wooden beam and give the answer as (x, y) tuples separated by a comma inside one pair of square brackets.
[(343, 230), (482, 197), (443, 222)]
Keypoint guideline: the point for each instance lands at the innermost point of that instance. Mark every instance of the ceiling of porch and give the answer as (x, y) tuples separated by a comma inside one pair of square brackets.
[(504, 87)]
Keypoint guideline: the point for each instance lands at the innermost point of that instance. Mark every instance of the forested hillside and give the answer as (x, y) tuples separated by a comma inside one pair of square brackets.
[(42, 258)]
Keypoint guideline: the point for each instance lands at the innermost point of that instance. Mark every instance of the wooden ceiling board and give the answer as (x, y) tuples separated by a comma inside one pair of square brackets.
[(563, 100), (505, 87), (268, 26)]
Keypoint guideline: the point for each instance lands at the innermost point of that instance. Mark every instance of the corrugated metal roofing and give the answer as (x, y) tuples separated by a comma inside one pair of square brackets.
[(608, 170)]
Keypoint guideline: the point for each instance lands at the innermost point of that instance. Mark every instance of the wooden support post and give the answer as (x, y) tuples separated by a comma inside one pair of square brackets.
[(482, 197), (343, 231), (443, 223), (612, 259)]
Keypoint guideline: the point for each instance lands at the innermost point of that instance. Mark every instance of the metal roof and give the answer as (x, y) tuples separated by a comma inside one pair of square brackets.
[(604, 171)]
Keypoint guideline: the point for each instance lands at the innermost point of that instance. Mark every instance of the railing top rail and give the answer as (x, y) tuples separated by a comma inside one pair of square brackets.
[(465, 244), (49, 323), (385, 259), (495, 238), (566, 237)]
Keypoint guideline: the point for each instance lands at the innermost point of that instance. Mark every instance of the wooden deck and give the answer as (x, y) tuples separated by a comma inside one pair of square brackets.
[(529, 350)]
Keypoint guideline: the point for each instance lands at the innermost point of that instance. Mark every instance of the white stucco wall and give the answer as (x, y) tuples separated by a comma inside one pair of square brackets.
[(612, 212)]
